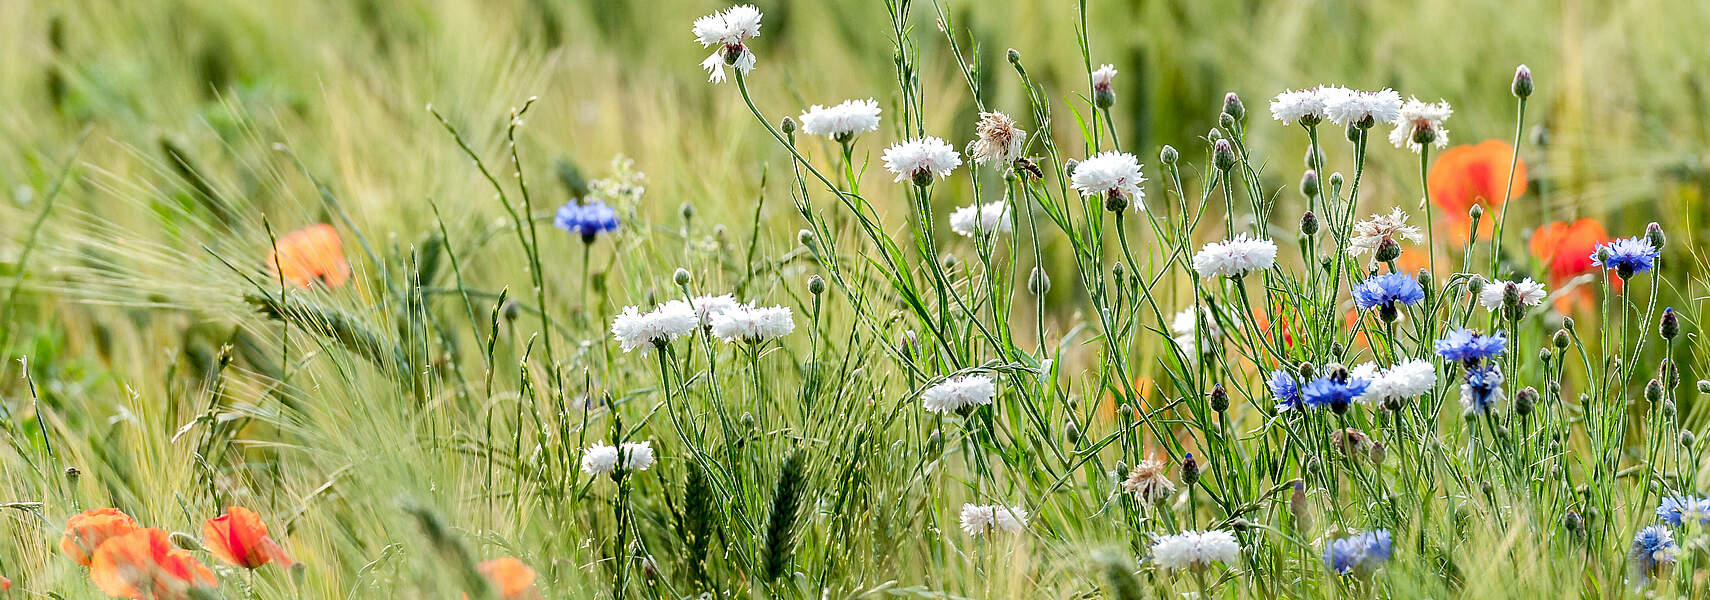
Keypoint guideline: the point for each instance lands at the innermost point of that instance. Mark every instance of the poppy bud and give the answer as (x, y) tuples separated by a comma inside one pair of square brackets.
[(1223, 155), (1522, 86), (1169, 155), (1190, 470), (1232, 106), (1670, 326), (1219, 398), (1309, 224), (511, 310)]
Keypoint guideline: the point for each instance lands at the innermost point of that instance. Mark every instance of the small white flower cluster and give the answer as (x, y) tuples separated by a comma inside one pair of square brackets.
[(728, 30), (981, 519), (1403, 381), (976, 220), (1236, 257), (921, 159), (957, 393), (635, 329), (601, 459), (1531, 293), (1109, 173), (753, 324), (843, 121), (1195, 549)]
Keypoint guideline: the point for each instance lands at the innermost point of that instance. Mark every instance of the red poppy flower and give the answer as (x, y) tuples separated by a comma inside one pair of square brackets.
[(86, 531), (1565, 250), (311, 255), (240, 538), (143, 563), (1475, 174), (510, 578)]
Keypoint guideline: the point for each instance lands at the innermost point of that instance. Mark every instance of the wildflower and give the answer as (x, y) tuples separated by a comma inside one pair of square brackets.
[(842, 122), (1403, 381), (753, 324), (1369, 235), (1528, 293), (1286, 390), (601, 459), (1675, 510), (1420, 123), (1307, 107), (1103, 95), (1236, 257), (729, 30), (634, 329), (1363, 109), (1565, 250), (143, 563), (240, 538), (957, 393), (1387, 290), (1626, 256), (1336, 391), (1114, 176), (1360, 553), (1470, 347), (1653, 549), (1195, 549), (993, 518), (1481, 390), (921, 159), (977, 220), (588, 220), (1184, 324), (709, 306), (86, 531), (1472, 175), (998, 141), (1148, 482), (510, 578), (310, 256), (1522, 85)]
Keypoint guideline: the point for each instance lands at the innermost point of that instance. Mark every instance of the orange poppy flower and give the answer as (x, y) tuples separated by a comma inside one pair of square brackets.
[(87, 530), (143, 563), (1284, 331), (1565, 250), (240, 538), (309, 256), (511, 579), (5, 583), (1470, 175)]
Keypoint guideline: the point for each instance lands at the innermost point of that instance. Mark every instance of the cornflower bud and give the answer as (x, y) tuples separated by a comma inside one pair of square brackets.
[(1169, 155), (1223, 155), (789, 126), (1670, 325), (680, 277), (1219, 398), (1232, 106), (1038, 282), (1309, 224), (1560, 339), (1522, 86), (816, 285), (1190, 470), (1654, 234), (1309, 184), (1524, 400), (1226, 121)]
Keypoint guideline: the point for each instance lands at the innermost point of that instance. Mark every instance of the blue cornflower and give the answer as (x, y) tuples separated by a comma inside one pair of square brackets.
[(1674, 510), (1653, 547), (1481, 390), (1338, 391), (1627, 256), (589, 220), (1388, 289), (1285, 389), (1470, 347), (1360, 553)]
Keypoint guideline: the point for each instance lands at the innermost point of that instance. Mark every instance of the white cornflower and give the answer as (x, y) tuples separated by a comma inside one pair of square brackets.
[(709, 306), (957, 393), (635, 329), (976, 220), (1195, 549), (1101, 78), (1182, 325), (729, 30), (1531, 293), (1370, 233), (1236, 257), (843, 121), (993, 518), (601, 459), (921, 159), (998, 141), (1364, 108), (1420, 123), (1110, 174), (753, 324), (1148, 482), (1410, 379), (1307, 107)]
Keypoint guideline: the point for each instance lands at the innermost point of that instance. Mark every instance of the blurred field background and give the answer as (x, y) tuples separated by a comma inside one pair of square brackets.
[(186, 123)]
